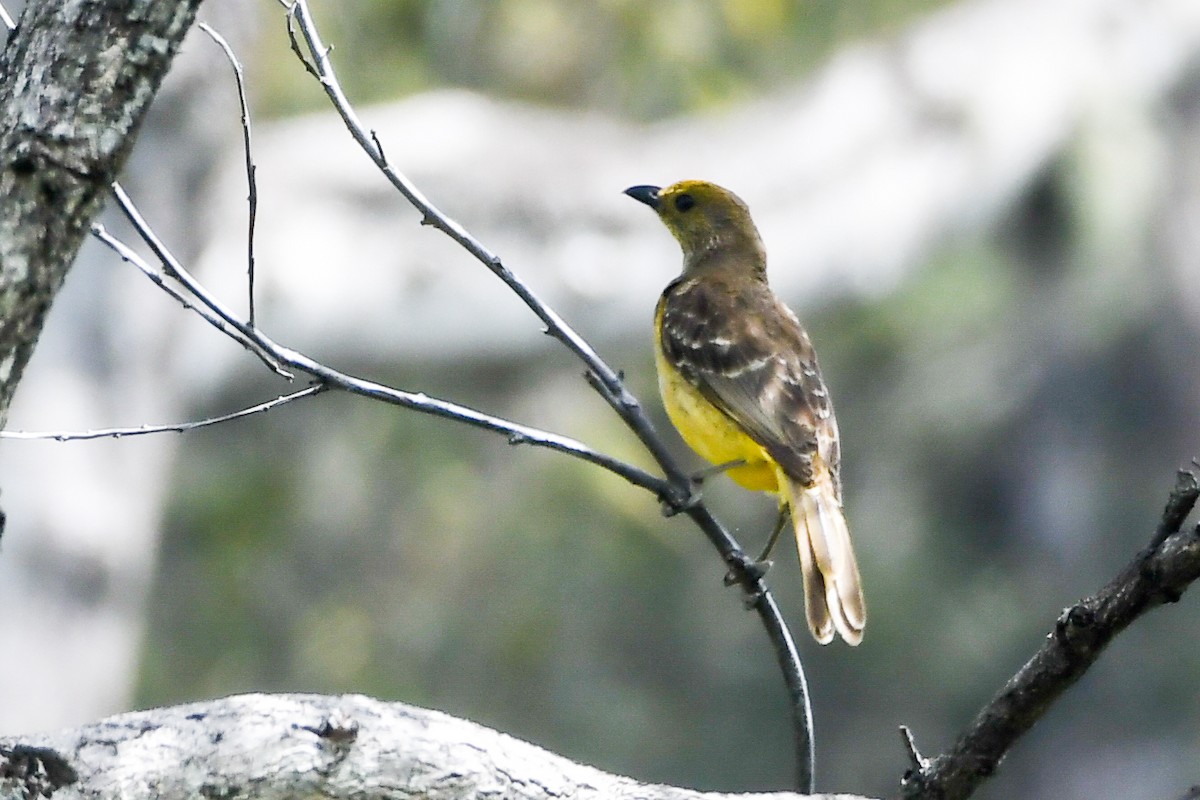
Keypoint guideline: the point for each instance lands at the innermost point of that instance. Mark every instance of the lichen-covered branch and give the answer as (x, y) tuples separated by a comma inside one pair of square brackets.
[(75, 81), (316, 746)]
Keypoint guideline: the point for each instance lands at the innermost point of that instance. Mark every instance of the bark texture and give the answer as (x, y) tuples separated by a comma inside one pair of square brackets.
[(75, 81), (314, 746)]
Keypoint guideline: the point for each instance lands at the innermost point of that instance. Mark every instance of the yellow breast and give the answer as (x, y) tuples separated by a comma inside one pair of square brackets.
[(709, 431)]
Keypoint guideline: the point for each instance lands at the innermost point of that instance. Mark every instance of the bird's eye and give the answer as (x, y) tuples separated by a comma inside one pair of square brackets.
[(684, 202)]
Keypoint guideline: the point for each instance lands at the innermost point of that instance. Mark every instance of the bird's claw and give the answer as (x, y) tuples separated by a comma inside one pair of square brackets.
[(671, 505), (755, 571)]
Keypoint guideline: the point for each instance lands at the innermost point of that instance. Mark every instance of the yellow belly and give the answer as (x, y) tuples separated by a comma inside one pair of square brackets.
[(712, 434)]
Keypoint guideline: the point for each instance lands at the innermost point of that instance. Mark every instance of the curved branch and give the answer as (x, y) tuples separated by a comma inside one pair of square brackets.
[(678, 490), (1158, 574), (604, 378)]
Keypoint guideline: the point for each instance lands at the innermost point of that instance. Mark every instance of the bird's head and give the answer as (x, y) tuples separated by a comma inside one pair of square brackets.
[(709, 221)]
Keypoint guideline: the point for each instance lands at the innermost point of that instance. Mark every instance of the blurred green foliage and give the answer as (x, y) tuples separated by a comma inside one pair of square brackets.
[(644, 59)]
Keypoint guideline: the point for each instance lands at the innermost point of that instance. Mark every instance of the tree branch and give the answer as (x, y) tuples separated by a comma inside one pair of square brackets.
[(194, 297), (1158, 574), (75, 81), (174, 427), (270, 746), (679, 494), (251, 170)]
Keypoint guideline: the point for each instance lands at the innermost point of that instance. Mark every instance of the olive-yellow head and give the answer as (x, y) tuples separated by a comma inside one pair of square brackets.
[(706, 220)]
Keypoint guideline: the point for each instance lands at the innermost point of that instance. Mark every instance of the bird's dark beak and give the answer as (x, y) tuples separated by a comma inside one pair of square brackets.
[(645, 194)]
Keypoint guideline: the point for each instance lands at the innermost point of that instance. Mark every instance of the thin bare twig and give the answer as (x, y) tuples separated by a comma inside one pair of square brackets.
[(1158, 574), (177, 427), (608, 382), (677, 492), (919, 763), (175, 270), (129, 256), (7, 19), (199, 300), (251, 169)]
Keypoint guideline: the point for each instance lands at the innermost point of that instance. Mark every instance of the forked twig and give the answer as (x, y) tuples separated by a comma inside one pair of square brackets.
[(176, 271), (185, 296), (196, 298)]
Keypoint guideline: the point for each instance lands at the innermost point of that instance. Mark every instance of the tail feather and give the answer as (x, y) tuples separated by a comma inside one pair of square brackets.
[(833, 598), (816, 609)]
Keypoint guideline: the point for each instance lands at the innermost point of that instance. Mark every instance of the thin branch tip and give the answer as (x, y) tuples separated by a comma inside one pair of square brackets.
[(919, 763), (379, 148), (251, 169), (177, 427), (1180, 502)]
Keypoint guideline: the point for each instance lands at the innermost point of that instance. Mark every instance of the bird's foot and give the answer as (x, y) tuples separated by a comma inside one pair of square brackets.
[(700, 476), (673, 503), (676, 505), (755, 571)]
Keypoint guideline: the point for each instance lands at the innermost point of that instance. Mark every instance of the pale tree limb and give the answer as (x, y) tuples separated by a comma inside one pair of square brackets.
[(1158, 575), (314, 746)]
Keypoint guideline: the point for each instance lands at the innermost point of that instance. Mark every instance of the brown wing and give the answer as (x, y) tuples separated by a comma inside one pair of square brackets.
[(748, 355)]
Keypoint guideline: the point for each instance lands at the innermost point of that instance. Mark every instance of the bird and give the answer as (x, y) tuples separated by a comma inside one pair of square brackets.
[(740, 381)]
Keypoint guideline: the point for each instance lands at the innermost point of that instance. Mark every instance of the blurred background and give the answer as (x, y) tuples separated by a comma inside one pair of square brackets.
[(984, 210)]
